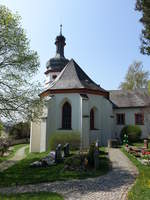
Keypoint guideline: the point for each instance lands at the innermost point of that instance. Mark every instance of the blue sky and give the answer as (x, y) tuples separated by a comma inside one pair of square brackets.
[(102, 36)]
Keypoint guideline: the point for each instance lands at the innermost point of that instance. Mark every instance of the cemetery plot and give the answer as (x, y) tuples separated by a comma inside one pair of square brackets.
[(79, 161), (142, 153), (61, 164)]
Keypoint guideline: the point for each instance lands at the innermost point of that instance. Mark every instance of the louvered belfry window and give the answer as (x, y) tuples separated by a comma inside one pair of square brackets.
[(66, 116)]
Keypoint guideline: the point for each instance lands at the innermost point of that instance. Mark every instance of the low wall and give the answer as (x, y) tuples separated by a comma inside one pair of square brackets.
[(19, 141)]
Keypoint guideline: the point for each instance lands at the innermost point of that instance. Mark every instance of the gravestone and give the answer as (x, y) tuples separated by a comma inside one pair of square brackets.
[(58, 154), (66, 150), (96, 158), (97, 144), (113, 143), (146, 144)]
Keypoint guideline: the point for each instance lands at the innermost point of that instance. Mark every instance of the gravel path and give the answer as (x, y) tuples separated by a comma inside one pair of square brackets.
[(113, 186), (19, 155)]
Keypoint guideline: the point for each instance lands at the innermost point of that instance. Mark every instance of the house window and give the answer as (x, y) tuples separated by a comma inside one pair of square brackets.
[(66, 116), (54, 76), (120, 118), (92, 119), (139, 118)]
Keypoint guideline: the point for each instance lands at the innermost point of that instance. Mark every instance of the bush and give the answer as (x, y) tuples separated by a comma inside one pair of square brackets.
[(62, 138), (20, 130), (133, 132)]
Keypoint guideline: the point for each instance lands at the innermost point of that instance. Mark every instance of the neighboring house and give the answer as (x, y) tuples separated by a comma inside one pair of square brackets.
[(131, 107), (75, 103)]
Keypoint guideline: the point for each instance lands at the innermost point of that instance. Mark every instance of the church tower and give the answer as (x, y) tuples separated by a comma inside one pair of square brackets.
[(56, 64)]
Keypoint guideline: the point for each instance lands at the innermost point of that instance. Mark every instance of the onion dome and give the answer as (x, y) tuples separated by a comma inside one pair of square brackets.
[(58, 62)]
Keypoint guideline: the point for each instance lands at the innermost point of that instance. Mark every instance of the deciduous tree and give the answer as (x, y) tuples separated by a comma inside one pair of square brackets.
[(136, 77), (1, 128), (18, 65)]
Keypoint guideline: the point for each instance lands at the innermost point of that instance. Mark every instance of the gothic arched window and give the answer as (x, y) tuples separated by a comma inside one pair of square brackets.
[(92, 119), (66, 116)]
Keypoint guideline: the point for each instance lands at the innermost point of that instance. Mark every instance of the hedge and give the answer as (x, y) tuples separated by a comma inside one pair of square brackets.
[(73, 138), (134, 133)]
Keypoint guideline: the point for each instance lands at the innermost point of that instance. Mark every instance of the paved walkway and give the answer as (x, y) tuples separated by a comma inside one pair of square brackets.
[(113, 186), (19, 155)]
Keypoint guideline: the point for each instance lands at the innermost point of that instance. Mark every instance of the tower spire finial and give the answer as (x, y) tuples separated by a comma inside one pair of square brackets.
[(60, 29), (60, 43)]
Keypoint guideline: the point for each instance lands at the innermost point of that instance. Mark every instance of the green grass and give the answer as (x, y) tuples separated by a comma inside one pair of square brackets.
[(32, 196), (21, 173), (12, 152), (141, 189)]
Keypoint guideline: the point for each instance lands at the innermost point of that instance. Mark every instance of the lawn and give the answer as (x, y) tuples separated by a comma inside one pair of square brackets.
[(141, 189), (12, 152), (32, 196), (21, 173)]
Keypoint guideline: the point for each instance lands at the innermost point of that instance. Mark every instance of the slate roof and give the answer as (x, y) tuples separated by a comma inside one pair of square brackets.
[(73, 77), (57, 63), (128, 99)]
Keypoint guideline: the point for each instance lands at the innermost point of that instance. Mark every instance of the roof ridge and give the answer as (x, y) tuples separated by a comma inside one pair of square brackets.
[(90, 80), (135, 98), (134, 90), (74, 63), (58, 77)]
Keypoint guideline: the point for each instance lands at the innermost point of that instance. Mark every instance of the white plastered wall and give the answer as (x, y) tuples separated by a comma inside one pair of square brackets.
[(54, 119), (35, 136), (49, 78), (104, 123), (85, 123), (38, 132)]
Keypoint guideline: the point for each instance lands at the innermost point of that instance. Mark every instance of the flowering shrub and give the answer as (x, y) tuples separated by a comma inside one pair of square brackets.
[(145, 152)]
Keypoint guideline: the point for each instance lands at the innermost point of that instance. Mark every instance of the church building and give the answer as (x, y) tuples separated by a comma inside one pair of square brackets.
[(74, 103)]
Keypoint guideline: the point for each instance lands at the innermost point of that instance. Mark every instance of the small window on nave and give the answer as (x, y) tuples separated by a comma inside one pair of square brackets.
[(92, 119)]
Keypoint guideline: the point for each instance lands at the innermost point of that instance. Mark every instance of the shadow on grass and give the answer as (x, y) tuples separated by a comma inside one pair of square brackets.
[(114, 180), (21, 173)]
